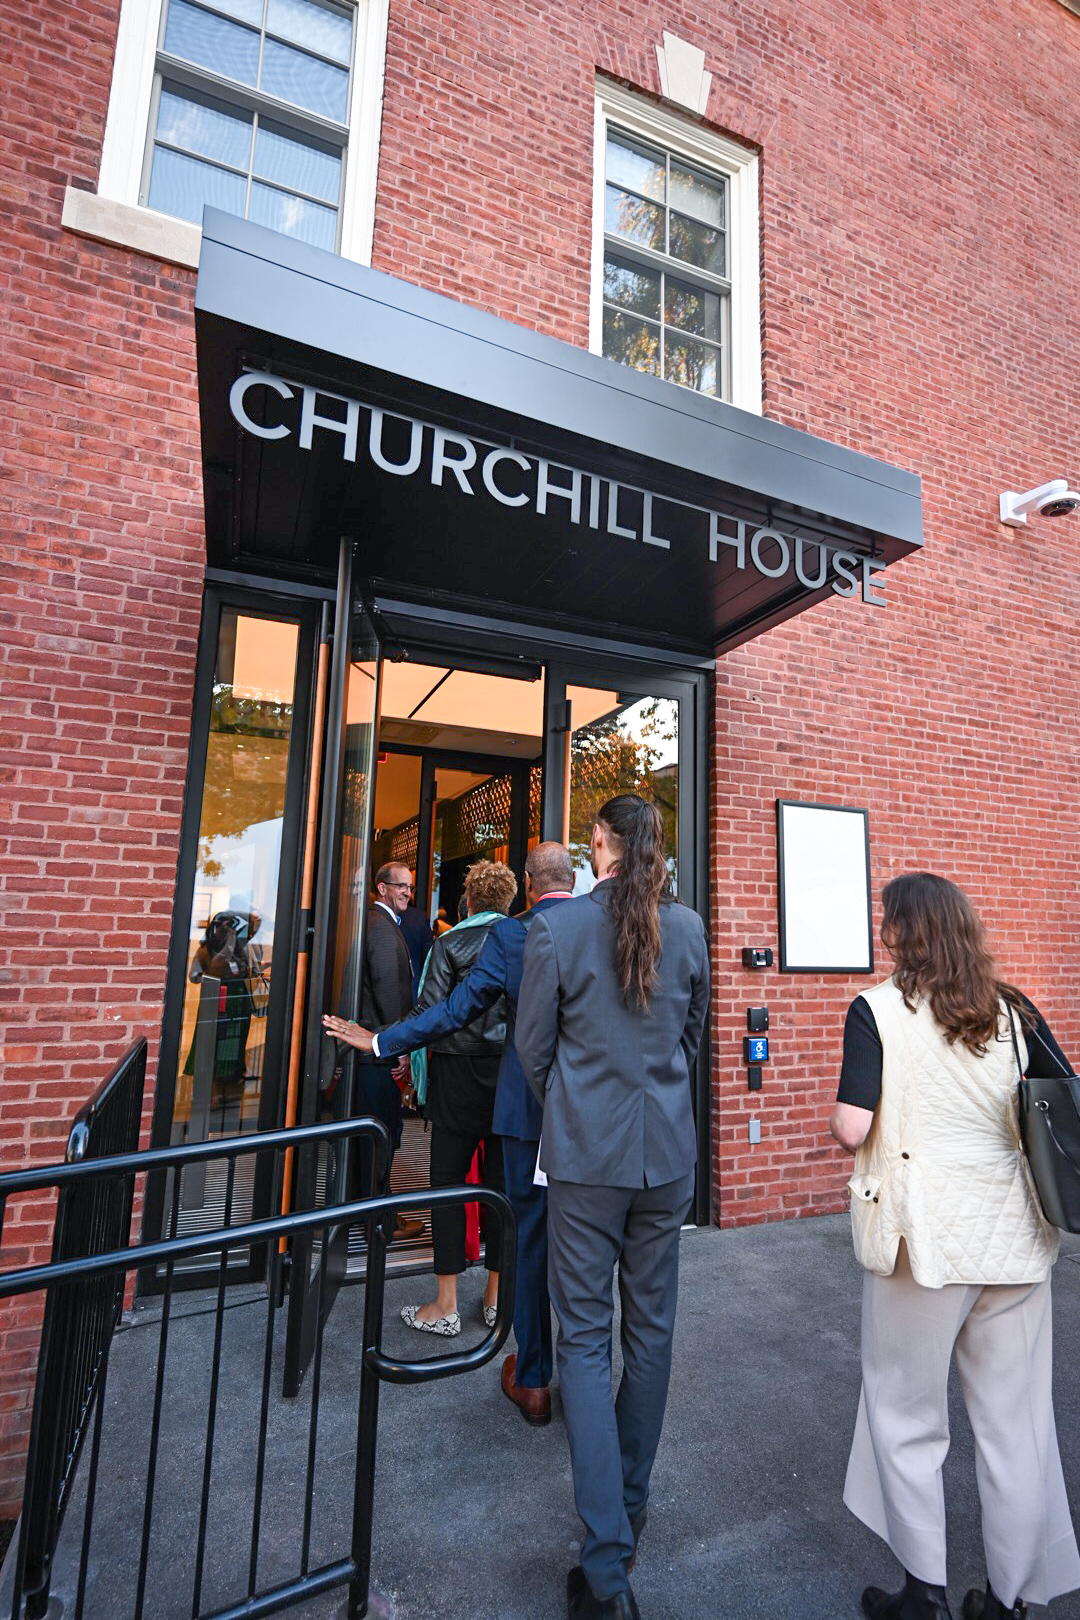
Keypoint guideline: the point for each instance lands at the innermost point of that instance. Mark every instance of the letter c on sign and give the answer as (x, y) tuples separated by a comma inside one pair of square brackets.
[(238, 395)]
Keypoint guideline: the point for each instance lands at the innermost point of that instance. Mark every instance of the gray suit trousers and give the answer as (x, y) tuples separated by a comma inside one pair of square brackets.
[(613, 1440)]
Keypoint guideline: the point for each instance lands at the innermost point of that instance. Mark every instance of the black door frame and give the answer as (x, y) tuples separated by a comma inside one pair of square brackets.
[(318, 1262), (567, 658), (435, 759), (691, 690), (467, 642)]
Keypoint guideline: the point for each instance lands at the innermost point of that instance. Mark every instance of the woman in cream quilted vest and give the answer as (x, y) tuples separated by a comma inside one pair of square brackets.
[(958, 1259)]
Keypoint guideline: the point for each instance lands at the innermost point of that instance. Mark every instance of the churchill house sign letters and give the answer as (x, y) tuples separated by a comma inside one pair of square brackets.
[(271, 408)]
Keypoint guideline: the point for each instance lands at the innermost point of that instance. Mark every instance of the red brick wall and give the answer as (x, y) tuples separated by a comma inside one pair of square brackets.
[(102, 563), (918, 303)]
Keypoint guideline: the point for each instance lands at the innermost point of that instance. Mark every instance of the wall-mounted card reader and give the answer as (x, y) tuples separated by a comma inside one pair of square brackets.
[(757, 1019), (755, 1048), (755, 1131), (753, 1077), (757, 957)]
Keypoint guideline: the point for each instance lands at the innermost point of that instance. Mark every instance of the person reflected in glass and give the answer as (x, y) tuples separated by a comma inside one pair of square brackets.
[(957, 1255), (222, 954)]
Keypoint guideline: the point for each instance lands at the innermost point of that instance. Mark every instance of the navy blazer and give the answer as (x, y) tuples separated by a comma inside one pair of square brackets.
[(496, 972)]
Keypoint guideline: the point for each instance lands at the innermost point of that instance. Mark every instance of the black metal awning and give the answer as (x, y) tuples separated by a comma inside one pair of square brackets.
[(479, 464)]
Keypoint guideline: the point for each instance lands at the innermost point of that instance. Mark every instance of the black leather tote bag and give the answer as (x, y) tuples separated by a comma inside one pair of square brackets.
[(1050, 1131)]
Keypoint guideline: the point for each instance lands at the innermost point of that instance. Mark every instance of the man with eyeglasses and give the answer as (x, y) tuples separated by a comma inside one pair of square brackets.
[(386, 995), (418, 937)]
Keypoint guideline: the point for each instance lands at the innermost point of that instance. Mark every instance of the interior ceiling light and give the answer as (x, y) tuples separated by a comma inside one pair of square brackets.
[(1054, 499)]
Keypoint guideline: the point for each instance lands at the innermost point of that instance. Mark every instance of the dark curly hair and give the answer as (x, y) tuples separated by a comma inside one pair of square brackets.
[(936, 938)]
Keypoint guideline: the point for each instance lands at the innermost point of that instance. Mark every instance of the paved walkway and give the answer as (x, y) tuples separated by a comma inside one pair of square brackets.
[(474, 1514)]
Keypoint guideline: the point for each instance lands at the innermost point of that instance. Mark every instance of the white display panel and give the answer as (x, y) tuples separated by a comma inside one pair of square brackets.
[(824, 873)]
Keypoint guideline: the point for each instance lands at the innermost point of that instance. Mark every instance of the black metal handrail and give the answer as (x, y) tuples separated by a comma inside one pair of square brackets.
[(111, 1269), (92, 1214)]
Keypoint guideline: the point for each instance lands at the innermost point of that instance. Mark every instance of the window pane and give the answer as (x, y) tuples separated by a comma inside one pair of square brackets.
[(247, 10), (697, 244), (621, 743), (294, 216), (693, 364), (317, 27), (697, 194), (631, 286), (636, 220), (631, 341), (292, 161), (692, 309), (181, 185), (297, 77), (200, 37), (640, 169), (200, 126)]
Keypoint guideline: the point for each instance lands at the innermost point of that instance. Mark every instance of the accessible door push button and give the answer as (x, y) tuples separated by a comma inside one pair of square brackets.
[(757, 1019), (755, 1049)]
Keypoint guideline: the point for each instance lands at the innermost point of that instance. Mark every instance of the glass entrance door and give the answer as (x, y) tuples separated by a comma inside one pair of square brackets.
[(325, 1175)]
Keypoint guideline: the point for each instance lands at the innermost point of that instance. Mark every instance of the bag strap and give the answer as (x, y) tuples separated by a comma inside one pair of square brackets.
[(1066, 1072), (1016, 1044), (1064, 1067)]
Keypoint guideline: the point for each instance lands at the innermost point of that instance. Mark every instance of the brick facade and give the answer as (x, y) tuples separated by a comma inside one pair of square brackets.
[(919, 303)]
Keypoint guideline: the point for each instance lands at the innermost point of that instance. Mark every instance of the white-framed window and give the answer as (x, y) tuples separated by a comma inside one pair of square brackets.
[(269, 109), (675, 249)]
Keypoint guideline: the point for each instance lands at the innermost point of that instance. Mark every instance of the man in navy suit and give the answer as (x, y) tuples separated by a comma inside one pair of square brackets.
[(549, 879)]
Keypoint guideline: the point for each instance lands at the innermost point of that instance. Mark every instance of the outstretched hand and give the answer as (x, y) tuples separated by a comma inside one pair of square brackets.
[(349, 1034)]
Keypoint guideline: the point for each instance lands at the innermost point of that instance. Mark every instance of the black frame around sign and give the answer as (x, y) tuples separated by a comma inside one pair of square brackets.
[(781, 884)]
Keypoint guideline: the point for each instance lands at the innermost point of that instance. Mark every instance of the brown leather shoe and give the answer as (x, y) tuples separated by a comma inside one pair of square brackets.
[(533, 1404)]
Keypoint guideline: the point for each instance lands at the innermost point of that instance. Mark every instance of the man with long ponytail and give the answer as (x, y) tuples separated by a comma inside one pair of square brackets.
[(612, 1007)]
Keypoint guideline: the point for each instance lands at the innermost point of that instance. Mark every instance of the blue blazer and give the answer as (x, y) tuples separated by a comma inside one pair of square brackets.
[(496, 972)]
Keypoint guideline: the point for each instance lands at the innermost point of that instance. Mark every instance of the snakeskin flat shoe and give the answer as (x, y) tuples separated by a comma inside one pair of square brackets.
[(448, 1327)]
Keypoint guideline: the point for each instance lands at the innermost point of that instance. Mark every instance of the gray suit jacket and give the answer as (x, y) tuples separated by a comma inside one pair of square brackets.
[(614, 1082)]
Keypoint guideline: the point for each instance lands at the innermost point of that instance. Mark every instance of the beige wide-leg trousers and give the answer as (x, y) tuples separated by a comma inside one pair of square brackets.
[(1002, 1340)]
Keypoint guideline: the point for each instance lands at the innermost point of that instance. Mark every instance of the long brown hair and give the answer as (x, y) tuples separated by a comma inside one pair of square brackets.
[(641, 885), (937, 940)]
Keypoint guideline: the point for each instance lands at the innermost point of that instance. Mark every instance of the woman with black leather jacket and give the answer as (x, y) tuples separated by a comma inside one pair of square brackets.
[(462, 1071)]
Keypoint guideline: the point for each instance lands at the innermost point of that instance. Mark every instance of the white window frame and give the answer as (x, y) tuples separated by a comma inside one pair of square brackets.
[(711, 151), (115, 214)]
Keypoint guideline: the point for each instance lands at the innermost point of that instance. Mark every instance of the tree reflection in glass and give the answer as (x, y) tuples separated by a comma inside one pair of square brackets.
[(634, 218), (692, 364), (633, 749), (631, 341)]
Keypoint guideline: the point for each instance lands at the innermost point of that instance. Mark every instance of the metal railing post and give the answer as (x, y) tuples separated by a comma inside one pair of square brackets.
[(367, 1423)]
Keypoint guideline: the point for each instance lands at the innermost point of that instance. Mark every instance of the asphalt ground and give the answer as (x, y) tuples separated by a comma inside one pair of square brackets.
[(474, 1515)]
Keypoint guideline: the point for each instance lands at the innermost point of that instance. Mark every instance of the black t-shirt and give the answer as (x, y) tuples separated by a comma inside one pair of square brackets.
[(860, 1076)]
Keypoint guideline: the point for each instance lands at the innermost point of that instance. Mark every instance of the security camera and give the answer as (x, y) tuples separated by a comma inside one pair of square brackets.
[(1054, 499)]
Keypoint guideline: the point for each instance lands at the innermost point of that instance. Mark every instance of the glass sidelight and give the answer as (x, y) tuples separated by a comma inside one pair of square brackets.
[(619, 742), (236, 942), (633, 729)]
